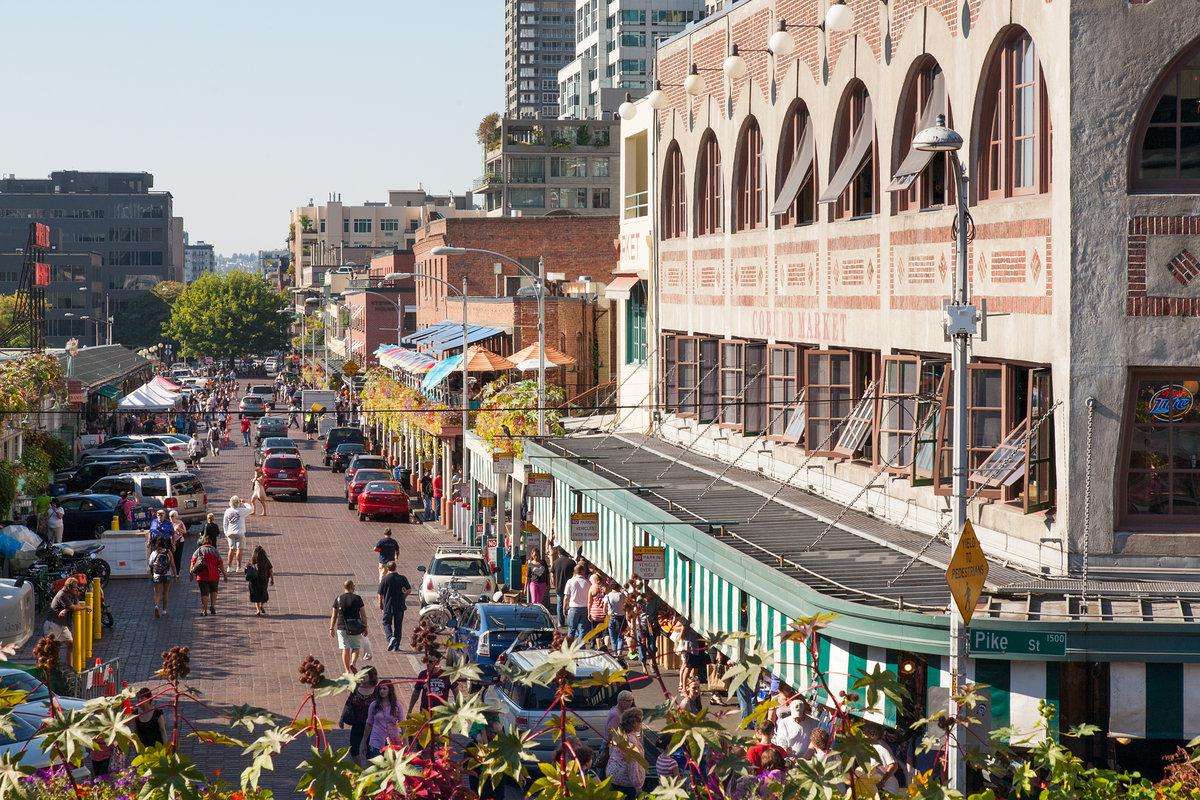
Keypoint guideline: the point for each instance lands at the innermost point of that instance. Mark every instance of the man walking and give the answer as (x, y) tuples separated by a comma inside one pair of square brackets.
[(234, 525), (348, 623), (561, 570), (427, 496), (393, 593), (245, 427), (576, 592), (387, 548)]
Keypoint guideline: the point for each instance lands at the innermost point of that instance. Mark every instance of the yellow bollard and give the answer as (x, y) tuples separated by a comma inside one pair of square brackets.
[(86, 632), (116, 523), (76, 640), (97, 601)]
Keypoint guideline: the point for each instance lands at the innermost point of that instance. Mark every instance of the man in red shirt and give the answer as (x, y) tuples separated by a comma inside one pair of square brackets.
[(437, 496), (246, 431), (754, 752)]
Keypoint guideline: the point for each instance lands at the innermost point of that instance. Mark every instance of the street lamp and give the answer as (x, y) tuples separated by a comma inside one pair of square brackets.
[(108, 319), (396, 303), (961, 322), (541, 295)]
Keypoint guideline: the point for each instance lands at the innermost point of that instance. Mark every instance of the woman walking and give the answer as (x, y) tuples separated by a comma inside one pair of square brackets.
[(539, 578), (162, 572), (258, 494), (597, 610), (383, 721), (259, 575), (354, 712), (178, 537), (626, 772)]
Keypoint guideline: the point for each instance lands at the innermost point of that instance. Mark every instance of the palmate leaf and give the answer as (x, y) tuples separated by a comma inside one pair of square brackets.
[(11, 775), (459, 714), (759, 714), (560, 725), (269, 744), (814, 779), (327, 687), (879, 681), (694, 731), (805, 628), (465, 672), (167, 775), (571, 787), (309, 725), (250, 717), (111, 726), (595, 632), (11, 697), (671, 789), (604, 677), (327, 773), (389, 769), (69, 734), (505, 755), (748, 670), (928, 786), (631, 754), (216, 737), (564, 658), (654, 713)]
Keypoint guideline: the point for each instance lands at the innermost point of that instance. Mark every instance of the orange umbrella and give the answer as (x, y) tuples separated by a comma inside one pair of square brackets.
[(480, 359), (528, 358)]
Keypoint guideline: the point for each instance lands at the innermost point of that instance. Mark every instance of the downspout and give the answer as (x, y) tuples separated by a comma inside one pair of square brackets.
[(652, 206)]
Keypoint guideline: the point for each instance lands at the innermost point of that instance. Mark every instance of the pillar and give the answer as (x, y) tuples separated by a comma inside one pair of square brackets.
[(515, 560)]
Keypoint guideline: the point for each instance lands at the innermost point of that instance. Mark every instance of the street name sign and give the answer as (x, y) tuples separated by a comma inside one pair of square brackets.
[(967, 572), (1027, 643)]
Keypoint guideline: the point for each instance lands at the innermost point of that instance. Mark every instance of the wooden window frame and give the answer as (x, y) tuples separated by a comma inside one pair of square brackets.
[(997, 151), (861, 424), (789, 143), (754, 414), (794, 380), (709, 218), (920, 195), (709, 376), (927, 434), (850, 117), (749, 179), (674, 208), (819, 409), (670, 373), (688, 392), (889, 398), (731, 412), (1172, 75), (1039, 449), (1153, 522)]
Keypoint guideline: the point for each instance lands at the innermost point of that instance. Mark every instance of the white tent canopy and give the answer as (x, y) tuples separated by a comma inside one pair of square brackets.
[(149, 397)]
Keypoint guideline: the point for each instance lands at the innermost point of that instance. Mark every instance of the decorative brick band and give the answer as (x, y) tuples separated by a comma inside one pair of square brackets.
[(1184, 267)]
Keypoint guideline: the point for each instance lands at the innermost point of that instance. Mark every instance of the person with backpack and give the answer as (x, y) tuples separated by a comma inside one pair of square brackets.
[(208, 569), (348, 623), (162, 571), (161, 529)]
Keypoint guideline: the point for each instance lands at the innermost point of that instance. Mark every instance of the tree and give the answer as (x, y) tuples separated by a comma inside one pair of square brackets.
[(141, 323), (8, 310), (227, 316), (488, 132)]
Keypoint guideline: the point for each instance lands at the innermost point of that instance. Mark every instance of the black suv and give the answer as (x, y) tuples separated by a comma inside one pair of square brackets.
[(342, 436)]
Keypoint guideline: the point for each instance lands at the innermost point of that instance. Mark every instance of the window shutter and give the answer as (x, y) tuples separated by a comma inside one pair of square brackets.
[(916, 160), (852, 160), (801, 168)]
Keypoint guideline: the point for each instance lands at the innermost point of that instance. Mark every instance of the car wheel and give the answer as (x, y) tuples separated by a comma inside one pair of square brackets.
[(362, 517), (304, 496), (350, 506)]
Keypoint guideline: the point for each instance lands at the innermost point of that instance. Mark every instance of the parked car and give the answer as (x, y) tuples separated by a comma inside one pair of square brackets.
[(343, 455), (384, 498), (285, 475), (269, 426), (178, 491), (520, 707), (87, 516), (178, 449), (338, 436), (271, 365), (252, 406), (362, 478), (489, 629), (364, 461), (266, 392), (145, 457), (83, 476), (117, 442), (274, 445), (458, 568)]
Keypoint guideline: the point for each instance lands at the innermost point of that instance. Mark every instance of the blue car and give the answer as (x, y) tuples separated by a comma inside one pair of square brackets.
[(88, 516), (489, 629)]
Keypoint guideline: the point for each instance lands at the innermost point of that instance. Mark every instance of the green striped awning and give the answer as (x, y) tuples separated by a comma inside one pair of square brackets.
[(1154, 701), (1014, 690), (109, 391)]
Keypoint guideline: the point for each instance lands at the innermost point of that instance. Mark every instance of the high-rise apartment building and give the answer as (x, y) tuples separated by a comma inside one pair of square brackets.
[(539, 39), (198, 259), (614, 51), (114, 214)]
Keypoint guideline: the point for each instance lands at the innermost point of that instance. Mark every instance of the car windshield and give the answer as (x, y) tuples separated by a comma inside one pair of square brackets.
[(179, 437), (521, 619), (368, 475), (17, 680), (382, 486), (278, 441), (282, 462), (373, 462), (265, 391), (459, 567), (251, 399), (350, 447), (582, 698)]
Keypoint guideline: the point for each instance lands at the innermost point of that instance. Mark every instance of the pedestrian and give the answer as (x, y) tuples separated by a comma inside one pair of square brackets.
[(819, 745), (388, 549), (648, 631), (149, 724), (211, 528), (54, 520), (597, 610), (66, 600), (695, 658), (625, 701), (244, 425), (436, 486), (427, 496), (770, 770), (689, 698), (348, 623), (258, 493), (561, 571), (259, 575), (234, 524), (160, 529), (794, 726), (393, 595), (129, 502), (383, 721), (538, 583), (886, 769), (576, 600), (214, 438), (354, 712), (162, 571), (614, 605), (208, 569), (626, 772), (431, 688), (178, 538), (763, 743)]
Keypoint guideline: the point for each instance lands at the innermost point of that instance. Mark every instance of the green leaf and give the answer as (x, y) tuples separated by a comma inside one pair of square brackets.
[(226, 316), (694, 731), (168, 775), (805, 628), (465, 672), (11, 774), (460, 714), (68, 733), (389, 769), (671, 789), (556, 661), (505, 755), (591, 635), (748, 670), (759, 714), (250, 717), (329, 688), (269, 744), (11, 697), (328, 773), (604, 677), (1080, 731), (880, 682), (216, 737)]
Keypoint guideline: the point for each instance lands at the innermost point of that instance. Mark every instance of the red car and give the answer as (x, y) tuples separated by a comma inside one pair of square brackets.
[(361, 479), (383, 498), (283, 474)]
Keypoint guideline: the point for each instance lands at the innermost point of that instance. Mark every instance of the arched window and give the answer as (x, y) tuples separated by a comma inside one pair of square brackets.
[(708, 186), (1167, 141), (1014, 151), (852, 187), (674, 202), (795, 198), (749, 179), (923, 180)]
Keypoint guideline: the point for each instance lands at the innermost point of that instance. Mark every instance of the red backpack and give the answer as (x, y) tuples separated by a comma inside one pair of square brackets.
[(206, 564)]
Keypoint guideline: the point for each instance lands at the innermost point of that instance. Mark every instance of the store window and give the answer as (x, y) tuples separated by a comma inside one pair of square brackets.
[(710, 380), (923, 180), (749, 179), (674, 206), (829, 394), (784, 381), (795, 200), (733, 382), (851, 188), (1162, 448)]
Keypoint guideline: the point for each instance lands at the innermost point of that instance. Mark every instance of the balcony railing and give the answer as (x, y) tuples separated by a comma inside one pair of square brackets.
[(637, 204)]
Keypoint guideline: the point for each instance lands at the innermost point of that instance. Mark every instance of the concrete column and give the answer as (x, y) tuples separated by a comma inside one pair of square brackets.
[(518, 494)]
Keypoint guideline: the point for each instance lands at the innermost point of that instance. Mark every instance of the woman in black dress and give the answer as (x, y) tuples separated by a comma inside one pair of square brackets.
[(259, 575)]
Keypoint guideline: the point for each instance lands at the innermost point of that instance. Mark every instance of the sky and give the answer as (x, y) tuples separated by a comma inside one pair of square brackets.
[(245, 110)]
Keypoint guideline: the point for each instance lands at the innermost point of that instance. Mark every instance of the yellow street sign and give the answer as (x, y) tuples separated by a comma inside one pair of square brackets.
[(967, 572)]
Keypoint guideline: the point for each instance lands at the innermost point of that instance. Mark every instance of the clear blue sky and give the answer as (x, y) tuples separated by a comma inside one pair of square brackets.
[(244, 110)]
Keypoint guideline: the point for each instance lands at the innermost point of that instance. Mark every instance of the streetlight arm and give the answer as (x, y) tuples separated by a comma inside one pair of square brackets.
[(451, 251)]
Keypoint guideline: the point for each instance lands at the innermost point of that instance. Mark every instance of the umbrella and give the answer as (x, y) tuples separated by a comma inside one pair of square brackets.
[(480, 359), (527, 359)]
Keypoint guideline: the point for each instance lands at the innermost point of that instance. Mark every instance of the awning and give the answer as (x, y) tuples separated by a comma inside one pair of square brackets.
[(916, 159), (423, 336), (853, 157), (620, 287), (441, 370), (402, 358), (453, 337), (148, 397), (109, 391), (801, 168), (1153, 700), (480, 359), (166, 383), (527, 359)]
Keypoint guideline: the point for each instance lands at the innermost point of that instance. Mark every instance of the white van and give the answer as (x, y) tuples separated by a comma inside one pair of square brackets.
[(178, 491)]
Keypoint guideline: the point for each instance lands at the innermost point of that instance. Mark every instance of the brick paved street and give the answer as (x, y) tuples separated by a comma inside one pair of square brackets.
[(240, 658)]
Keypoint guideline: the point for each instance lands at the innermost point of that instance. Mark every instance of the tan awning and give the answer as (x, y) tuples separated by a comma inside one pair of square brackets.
[(620, 287), (480, 359), (916, 160), (852, 160), (801, 168)]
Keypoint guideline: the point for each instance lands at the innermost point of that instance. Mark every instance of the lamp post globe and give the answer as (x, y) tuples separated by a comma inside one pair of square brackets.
[(781, 44), (839, 17)]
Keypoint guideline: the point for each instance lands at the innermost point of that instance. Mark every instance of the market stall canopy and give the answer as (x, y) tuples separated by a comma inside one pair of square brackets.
[(106, 363), (148, 397), (480, 359), (396, 357), (440, 372), (448, 334), (527, 359), (166, 383)]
